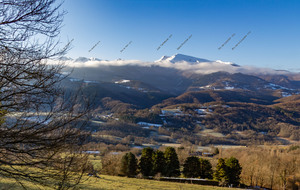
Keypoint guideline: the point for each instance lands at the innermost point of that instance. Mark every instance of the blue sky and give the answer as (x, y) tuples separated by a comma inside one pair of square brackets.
[(274, 40)]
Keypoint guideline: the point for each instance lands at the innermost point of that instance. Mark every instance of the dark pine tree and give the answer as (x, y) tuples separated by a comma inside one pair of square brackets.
[(159, 162), (205, 169), (234, 171), (129, 165), (191, 167), (146, 162), (124, 165), (172, 163)]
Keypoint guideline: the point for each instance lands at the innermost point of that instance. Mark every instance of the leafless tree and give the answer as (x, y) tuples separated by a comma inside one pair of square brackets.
[(39, 131)]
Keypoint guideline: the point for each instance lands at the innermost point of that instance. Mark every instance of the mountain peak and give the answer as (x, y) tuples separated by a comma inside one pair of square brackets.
[(85, 59), (95, 59), (163, 58), (181, 58)]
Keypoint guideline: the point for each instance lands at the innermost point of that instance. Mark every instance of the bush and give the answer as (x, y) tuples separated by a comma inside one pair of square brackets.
[(111, 164)]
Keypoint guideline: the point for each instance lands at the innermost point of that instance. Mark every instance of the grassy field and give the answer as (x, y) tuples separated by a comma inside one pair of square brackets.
[(113, 182), (116, 183)]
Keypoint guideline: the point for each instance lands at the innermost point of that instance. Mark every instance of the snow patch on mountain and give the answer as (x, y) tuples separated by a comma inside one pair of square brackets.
[(276, 87), (227, 63), (163, 58), (122, 81)]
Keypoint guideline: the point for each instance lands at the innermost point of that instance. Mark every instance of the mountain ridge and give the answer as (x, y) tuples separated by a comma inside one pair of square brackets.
[(179, 62)]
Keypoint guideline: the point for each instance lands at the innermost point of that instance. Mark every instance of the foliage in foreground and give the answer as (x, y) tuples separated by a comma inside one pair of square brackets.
[(39, 129)]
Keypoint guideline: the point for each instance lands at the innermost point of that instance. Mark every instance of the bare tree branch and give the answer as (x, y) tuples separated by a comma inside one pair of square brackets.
[(40, 129)]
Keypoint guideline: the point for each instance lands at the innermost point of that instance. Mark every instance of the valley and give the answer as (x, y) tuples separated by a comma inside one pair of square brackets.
[(139, 105), (149, 94)]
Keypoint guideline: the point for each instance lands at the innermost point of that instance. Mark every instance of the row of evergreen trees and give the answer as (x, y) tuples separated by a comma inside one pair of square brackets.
[(153, 162)]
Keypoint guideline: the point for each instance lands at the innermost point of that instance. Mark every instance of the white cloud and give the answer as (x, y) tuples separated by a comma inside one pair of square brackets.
[(201, 68)]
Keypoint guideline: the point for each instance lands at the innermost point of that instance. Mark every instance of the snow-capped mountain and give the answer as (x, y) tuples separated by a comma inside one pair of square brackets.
[(180, 58), (84, 59), (178, 62), (177, 58)]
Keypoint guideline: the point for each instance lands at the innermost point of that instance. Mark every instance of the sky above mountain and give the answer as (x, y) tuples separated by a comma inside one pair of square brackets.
[(258, 33)]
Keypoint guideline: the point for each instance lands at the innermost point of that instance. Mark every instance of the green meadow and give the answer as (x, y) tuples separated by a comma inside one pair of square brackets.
[(114, 183)]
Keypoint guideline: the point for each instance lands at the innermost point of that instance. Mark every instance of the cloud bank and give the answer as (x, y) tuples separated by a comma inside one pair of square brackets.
[(199, 67)]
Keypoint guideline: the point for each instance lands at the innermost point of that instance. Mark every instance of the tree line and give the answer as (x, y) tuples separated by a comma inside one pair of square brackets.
[(158, 163)]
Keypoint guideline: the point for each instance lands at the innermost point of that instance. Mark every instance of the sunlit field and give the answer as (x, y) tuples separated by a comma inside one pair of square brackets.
[(113, 182)]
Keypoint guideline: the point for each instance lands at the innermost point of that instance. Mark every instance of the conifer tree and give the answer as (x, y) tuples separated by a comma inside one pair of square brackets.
[(146, 162), (129, 165), (172, 163), (228, 171), (191, 167), (221, 171), (159, 162), (234, 170), (205, 169)]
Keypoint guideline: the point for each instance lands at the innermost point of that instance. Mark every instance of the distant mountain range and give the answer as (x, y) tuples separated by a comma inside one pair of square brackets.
[(263, 101), (179, 62), (171, 76)]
